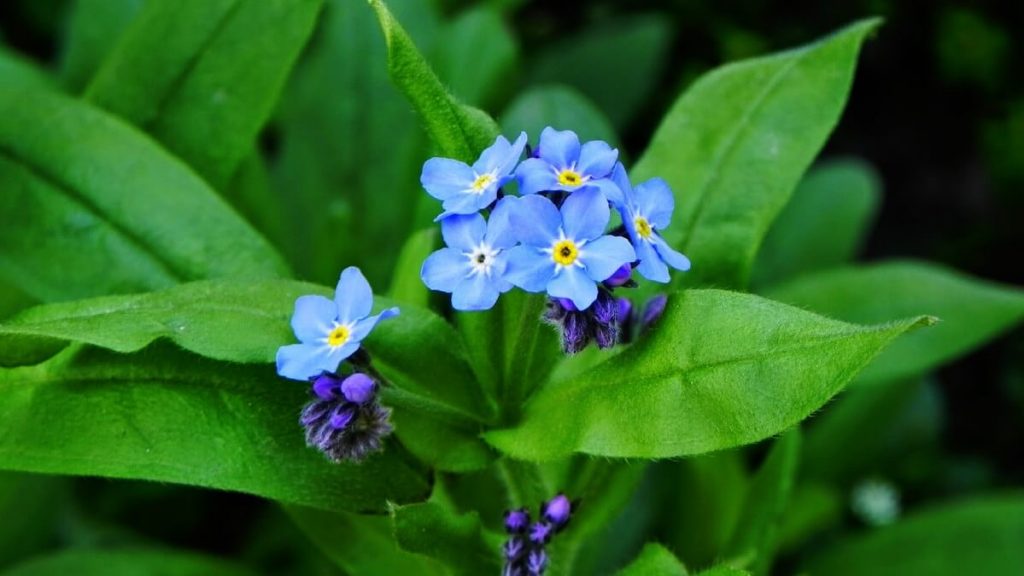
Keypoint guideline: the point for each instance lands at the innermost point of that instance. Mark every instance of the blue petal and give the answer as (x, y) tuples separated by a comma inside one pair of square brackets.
[(468, 203), (574, 284), (313, 318), (500, 233), (444, 177), (670, 256), (444, 269), (536, 175), (604, 256), (597, 159), (529, 268), (585, 214), (616, 189), (305, 361), (536, 221), (651, 266), (365, 326), (500, 157), (463, 232), (654, 201), (353, 296), (475, 293), (561, 149)]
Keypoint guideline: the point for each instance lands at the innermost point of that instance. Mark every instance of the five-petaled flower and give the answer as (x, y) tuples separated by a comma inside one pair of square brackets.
[(465, 189), (563, 165), (565, 252), (472, 267), (645, 210), (329, 331)]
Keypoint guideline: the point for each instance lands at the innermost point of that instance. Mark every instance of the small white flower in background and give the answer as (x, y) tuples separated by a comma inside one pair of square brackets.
[(876, 502)]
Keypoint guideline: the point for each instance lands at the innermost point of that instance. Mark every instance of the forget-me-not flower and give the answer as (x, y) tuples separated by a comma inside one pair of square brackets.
[(472, 267), (645, 210), (565, 252), (465, 189), (561, 163), (329, 331)]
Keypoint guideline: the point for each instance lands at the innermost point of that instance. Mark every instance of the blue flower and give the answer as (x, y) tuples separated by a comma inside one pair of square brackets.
[(645, 210), (465, 189), (472, 267), (562, 164), (344, 420), (565, 252), (329, 331)]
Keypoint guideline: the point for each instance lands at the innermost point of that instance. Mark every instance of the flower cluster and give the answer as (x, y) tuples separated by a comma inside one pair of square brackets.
[(524, 551), (551, 238), (344, 419)]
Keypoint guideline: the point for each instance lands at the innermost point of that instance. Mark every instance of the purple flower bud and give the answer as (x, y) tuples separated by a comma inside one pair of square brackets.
[(326, 386), (516, 521), (342, 415), (358, 388), (513, 549), (567, 304), (654, 309), (537, 562), (605, 310), (624, 309), (620, 276), (557, 510), (540, 532), (574, 333)]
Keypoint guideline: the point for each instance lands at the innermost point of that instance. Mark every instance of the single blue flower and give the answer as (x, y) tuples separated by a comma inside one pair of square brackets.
[(645, 210), (561, 163), (472, 267), (465, 189), (329, 331), (565, 252)]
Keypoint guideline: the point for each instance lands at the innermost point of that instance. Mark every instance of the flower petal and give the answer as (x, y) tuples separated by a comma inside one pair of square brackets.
[(353, 295), (500, 233), (612, 188), (585, 214), (674, 259), (536, 175), (528, 268), (651, 266), (363, 327), (443, 177), (597, 159), (463, 231), (560, 148), (444, 269), (313, 318), (474, 293), (654, 200), (468, 203), (574, 284), (305, 361), (604, 256), (501, 157), (536, 221)]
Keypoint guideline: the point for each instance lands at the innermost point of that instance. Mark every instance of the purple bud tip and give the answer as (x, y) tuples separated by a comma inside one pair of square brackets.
[(620, 276), (624, 309), (655, 308), (557, 510), (537, 561), (540, 532), (516, 520), (325, 386), (513, 549), (567, 304), (358, 388), (342, 416)]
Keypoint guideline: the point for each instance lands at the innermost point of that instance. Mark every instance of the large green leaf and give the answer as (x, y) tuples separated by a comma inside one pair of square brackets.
[(824, 224), (558, 106), (40, 504), (971, 311), (203, 77), (735, 145), (406, 284), (94, 28), (458, 541), (128, 562), (654, 559), (477, 56), (164, 415), (91, 206), (975, 537), (459, 131), (16, 70), (721, 369)]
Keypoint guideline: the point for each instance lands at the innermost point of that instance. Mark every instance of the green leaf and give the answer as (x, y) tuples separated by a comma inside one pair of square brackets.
[(813, 509), (460, 132), (39, 504), (128, 562), (975, 537), (457, 541), (558, 106), (478, 56), (17, 71), (616, 64), (406, 285), (363, 545), (167, 416), (132, 216), (735, 145), (93, 30), (972, 311), (765, 505), (724, 571), (698, 383), (203, 77), (824, 224), (654, 559)]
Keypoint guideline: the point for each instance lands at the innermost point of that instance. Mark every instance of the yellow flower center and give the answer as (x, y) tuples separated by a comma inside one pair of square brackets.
[(643, 227), (565, 253), (338, 336), (570, 177), (482, 181)]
